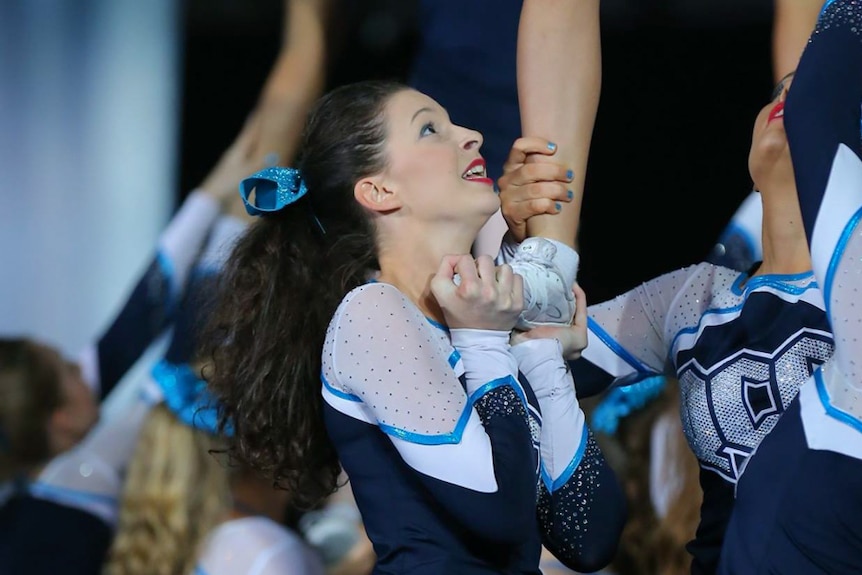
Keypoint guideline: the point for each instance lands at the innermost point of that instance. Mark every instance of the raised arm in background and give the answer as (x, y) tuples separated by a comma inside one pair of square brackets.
[(296, 80), (559, 80)]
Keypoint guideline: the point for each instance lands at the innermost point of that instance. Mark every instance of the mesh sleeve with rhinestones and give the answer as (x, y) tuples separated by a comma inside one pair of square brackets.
[(581, 521), (452, 408)]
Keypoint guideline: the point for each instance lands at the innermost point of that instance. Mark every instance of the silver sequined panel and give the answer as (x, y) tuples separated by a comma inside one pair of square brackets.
[(728, 410)]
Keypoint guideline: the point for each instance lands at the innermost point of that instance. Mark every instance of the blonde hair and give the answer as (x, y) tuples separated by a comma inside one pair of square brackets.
[(176, 491)]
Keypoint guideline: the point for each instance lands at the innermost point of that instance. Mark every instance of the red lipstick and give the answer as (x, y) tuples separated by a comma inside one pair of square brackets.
[(776, 112)]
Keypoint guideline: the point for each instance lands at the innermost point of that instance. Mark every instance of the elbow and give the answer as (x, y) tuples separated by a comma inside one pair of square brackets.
[(595, 554), (601, 549), (592, 561), (597, 546)]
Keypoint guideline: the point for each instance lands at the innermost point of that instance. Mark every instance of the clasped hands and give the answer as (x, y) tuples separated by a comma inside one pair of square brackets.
[(486, 296)]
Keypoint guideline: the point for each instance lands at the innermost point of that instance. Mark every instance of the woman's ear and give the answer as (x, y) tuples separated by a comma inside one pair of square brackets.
[(372, 194)]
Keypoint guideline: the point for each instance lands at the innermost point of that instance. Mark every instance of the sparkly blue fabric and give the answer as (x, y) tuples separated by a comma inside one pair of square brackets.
[(274, 188), (622, 401), (187, 397)]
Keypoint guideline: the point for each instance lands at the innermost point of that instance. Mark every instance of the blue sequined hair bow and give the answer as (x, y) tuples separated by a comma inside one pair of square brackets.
[(186, 395), (622, 401), (274, 188)]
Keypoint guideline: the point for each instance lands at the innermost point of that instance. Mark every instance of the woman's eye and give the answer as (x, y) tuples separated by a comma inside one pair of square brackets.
[(782, 86), (428, 129), (776, 92)]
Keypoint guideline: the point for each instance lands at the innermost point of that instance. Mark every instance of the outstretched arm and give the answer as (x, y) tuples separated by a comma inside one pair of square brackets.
[(191, 248), (559, 80), (153, 303), (296, 80), (792, 23)]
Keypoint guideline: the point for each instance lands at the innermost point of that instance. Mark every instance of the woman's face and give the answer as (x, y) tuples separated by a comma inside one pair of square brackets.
[(769, 158), (434, 165), (79, 412)]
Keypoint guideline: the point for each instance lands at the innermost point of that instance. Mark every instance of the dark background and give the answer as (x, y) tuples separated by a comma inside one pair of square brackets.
[(682, 83)]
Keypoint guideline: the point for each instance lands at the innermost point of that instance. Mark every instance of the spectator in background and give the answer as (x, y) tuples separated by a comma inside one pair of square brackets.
[(184, 509), (640, 426), (61, 466)]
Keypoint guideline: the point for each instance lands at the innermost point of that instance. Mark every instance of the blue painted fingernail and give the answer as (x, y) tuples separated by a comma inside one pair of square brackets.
[(570, 174), (571, 194), (559, 207), (552, 146)]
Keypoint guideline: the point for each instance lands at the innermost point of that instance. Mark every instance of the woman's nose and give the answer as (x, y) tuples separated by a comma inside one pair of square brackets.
[(472, 140)]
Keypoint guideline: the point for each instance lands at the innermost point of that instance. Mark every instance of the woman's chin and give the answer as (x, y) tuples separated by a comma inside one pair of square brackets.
[(770, 164)]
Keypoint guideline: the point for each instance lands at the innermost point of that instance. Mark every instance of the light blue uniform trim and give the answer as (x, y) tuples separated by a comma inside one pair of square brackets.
[(777, 281), (849, 230), (553, 484), (454, 358), (695, 328), (456, 434), (831, 410), (437, 324), (452, 437), (825, 6), (616, 348), (494, 384), (337, 392), (422, 439), (50, 492)]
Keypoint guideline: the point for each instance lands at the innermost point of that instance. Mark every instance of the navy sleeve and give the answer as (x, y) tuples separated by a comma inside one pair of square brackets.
[(145, 315), (153, 301), (506, 514), (822, 108), (582, 520)]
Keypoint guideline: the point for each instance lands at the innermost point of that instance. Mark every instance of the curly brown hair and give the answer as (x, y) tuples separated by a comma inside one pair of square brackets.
[(282, 283)]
